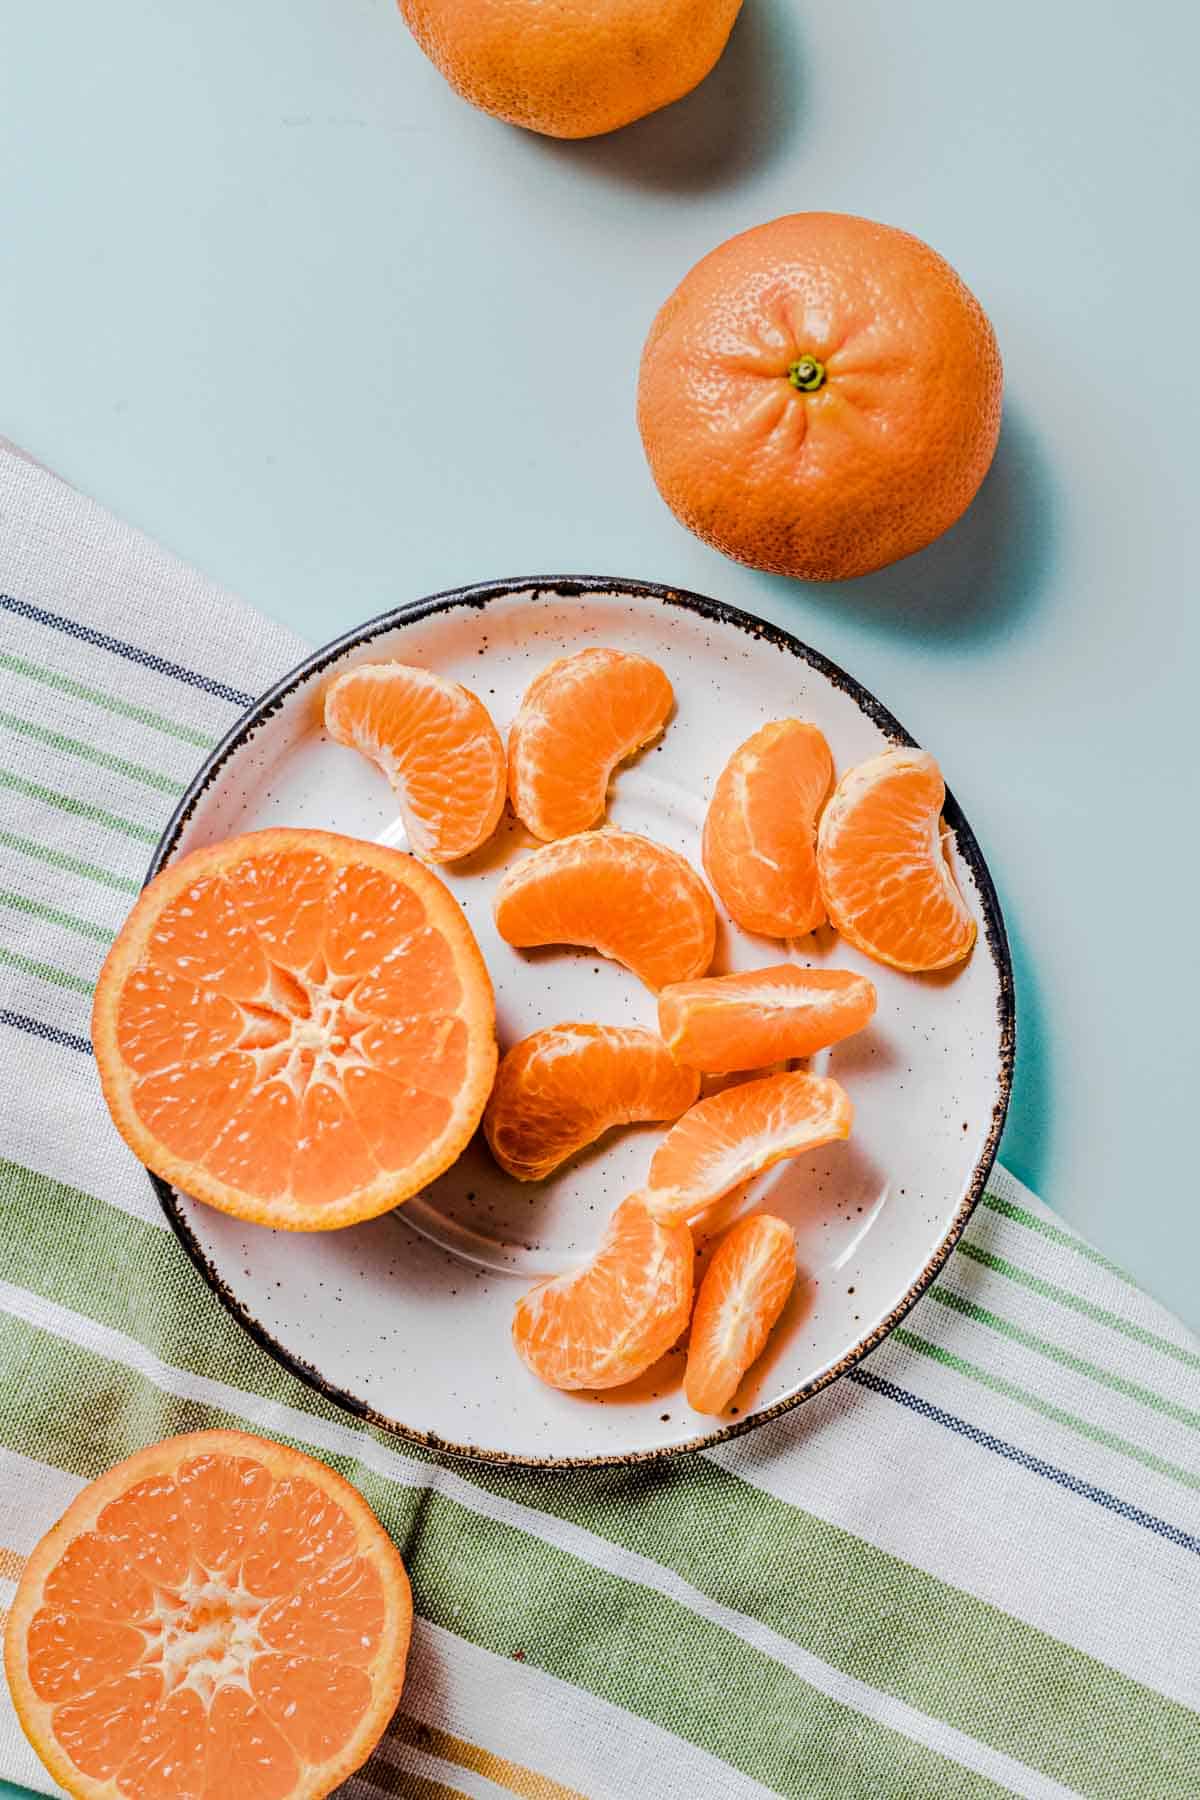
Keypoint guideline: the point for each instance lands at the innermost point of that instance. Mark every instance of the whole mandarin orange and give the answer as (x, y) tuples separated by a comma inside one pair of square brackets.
[(820, 396), (575, 68)]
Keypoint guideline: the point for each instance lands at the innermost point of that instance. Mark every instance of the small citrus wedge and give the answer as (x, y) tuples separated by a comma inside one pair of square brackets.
[(760, 832), (604, 1324), (882, 856), (218, 1615), (749, 1279), (580, 718), (295, 1027), (437, 745), (729, 1137), (611, 891), (745, 1021), (566, 1086)]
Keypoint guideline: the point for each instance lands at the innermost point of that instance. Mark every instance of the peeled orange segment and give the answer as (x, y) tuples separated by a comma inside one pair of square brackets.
[(614, 892), (883, 859), (566, 1086), (729, 1137), (746, 1021), (749, 1279), (760, 832), (580, 718), (606, 1323), (216, 1616), (435, 742), (295, 1027)]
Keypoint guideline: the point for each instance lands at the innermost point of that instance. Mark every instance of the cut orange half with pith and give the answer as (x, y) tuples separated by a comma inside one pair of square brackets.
[(607, 1323), (884, 863), (612, 891), (760, 831), (744, 1290), (436, 743), (729, 1137), (296, 1028), (761, 1016), (566, 1086), (216, 1616), (580, 718)]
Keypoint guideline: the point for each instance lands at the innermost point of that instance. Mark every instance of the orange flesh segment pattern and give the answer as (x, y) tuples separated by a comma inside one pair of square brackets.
[(564, 1087), (437, 745), (296, 1027), (745, 1021), (760, 830), (264, 1626), (605, 1324), (731, 1136), (580, 718), (612, 891), (746, 1287), (884, 864)]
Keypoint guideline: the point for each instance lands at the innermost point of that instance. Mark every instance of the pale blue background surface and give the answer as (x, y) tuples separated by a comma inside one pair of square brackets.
[(271, 292)]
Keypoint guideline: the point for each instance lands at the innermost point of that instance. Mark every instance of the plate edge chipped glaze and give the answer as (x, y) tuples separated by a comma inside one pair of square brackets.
[(478, 596)]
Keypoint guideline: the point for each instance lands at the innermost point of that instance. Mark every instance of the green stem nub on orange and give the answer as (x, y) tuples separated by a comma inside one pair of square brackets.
[(806, 374)]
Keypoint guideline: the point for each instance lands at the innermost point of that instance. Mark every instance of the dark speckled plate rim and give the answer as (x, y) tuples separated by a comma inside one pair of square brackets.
[(570, 587)]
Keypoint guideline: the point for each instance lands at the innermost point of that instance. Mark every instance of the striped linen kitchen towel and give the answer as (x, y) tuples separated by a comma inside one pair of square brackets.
[(971, 1568)]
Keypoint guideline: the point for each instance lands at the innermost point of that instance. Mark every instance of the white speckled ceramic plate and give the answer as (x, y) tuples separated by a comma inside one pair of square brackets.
[(405, 1320)]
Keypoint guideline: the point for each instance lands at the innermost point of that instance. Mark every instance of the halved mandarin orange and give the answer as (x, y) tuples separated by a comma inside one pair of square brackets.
[(216, 1616), (437, 745), (884, 863), (580, 718), (612, 891), (296, 1027), (729, 1137), (761, 1016), (606, 1323), (746, 1287), (760, 831), (566, 1086)]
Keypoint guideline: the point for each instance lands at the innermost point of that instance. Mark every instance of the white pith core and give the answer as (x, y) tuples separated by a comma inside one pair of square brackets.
[(204, 1635)]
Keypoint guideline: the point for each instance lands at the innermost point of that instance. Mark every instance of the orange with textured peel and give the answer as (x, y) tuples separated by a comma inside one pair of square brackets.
[(611, 891), (746, 1287), (295, 1027), (437, 745), (573, 68), (566, 1086), (820, 396), (729, 1137), (760, 831), (883, 859), (580, 718), (606, 1323), (216, 1616), (746, 1021)]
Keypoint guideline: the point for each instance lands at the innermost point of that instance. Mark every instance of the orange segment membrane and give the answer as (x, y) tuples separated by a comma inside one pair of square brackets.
[(187, 1110), (313, 1703), (416, 976), (223, 1499), (170, 1758), (204, 936), (339, 1613), (72, 1656), (166, 1020), (100, 1732), (283, 897), (369, 915), (394, 1120)]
